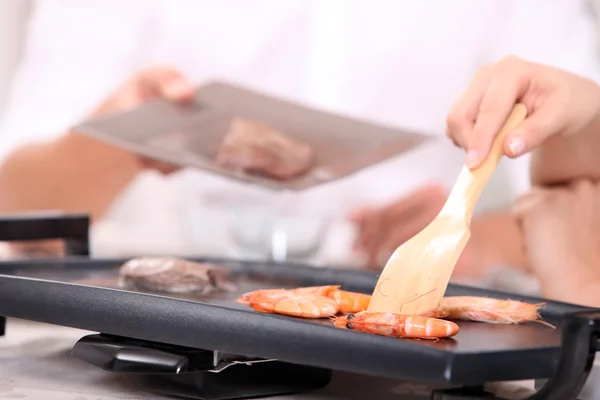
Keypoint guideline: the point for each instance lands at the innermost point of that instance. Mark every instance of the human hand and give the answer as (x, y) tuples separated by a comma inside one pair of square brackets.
[(558, 103), (561, 230), (147, 84), (380, 230)]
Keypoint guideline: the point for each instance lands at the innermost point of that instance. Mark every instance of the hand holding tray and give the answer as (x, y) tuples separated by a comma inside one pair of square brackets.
[(192, 134)]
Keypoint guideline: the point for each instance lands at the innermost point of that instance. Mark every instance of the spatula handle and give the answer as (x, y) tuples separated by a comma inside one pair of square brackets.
[(471, 183)]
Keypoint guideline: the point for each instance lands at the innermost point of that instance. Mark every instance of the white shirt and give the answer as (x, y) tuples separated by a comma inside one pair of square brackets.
[(399, 62)]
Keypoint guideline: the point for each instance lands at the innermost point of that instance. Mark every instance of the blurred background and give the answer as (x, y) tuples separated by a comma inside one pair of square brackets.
[(13, 21), (60, 59)]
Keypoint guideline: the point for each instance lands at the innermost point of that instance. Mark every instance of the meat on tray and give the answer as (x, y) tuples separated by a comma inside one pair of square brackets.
[(173, 275), (256, 148)]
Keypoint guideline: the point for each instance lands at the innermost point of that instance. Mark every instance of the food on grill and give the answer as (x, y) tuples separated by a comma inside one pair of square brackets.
[(328, 301), (307, 302), (492, 311), (256, 148), (305, 305), (173, 275), (397, 325)]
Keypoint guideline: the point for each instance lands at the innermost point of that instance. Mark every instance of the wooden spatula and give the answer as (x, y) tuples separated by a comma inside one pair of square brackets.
[(417, 274)]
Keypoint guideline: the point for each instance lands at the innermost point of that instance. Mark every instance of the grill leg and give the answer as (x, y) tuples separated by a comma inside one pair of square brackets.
[(464, 393)]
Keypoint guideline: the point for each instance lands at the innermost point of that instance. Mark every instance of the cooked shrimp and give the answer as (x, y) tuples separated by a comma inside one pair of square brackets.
[(349, 302), (493, 311), (321, 290), (247, 297), (398, 325), (288, 302), (258, 294)]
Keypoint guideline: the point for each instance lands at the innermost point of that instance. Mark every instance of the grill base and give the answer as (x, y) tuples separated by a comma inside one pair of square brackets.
[(197, 373)]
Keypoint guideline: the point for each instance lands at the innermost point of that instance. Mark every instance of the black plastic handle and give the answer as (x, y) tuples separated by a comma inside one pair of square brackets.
[(112, 354), (121, 354), (581, 331), (580, 334), (183, 372), (73, 228)]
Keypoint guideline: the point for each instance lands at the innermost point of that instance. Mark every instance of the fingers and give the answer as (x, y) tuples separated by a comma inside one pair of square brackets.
[(165, 82), (539, 125), (508, 85), (152, 82), (462, 116), (479, 114)]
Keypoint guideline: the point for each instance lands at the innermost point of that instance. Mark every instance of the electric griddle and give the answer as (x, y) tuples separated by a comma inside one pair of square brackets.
[(214, 348)]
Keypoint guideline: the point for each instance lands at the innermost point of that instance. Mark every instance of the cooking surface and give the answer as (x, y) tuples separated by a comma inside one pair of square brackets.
[(473, 337), (479, 351)]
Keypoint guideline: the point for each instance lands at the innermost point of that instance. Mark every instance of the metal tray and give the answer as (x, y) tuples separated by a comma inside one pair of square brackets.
[(190, 135), (81, 292)]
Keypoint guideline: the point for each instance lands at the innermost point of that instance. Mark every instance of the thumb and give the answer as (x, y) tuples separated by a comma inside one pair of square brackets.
[(532, 132)]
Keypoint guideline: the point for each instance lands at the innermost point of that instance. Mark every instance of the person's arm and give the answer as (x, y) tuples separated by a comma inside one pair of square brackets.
[(563, 117), (77, 173), (496, 240), (69, 65), (74, 173), (564, 158), (561, 230), (495, 236)]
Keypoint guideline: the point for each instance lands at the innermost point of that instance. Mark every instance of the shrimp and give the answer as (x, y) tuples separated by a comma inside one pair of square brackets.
[(289, 302), (490, 310), (348, 302), (320, 290), (252, 297), (398, 325)]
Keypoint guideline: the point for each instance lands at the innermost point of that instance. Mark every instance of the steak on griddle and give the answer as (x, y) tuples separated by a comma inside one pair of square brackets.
[(173, 275)]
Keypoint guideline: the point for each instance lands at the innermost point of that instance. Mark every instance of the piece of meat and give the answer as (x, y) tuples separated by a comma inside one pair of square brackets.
[(173, 275), (258, 149)]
